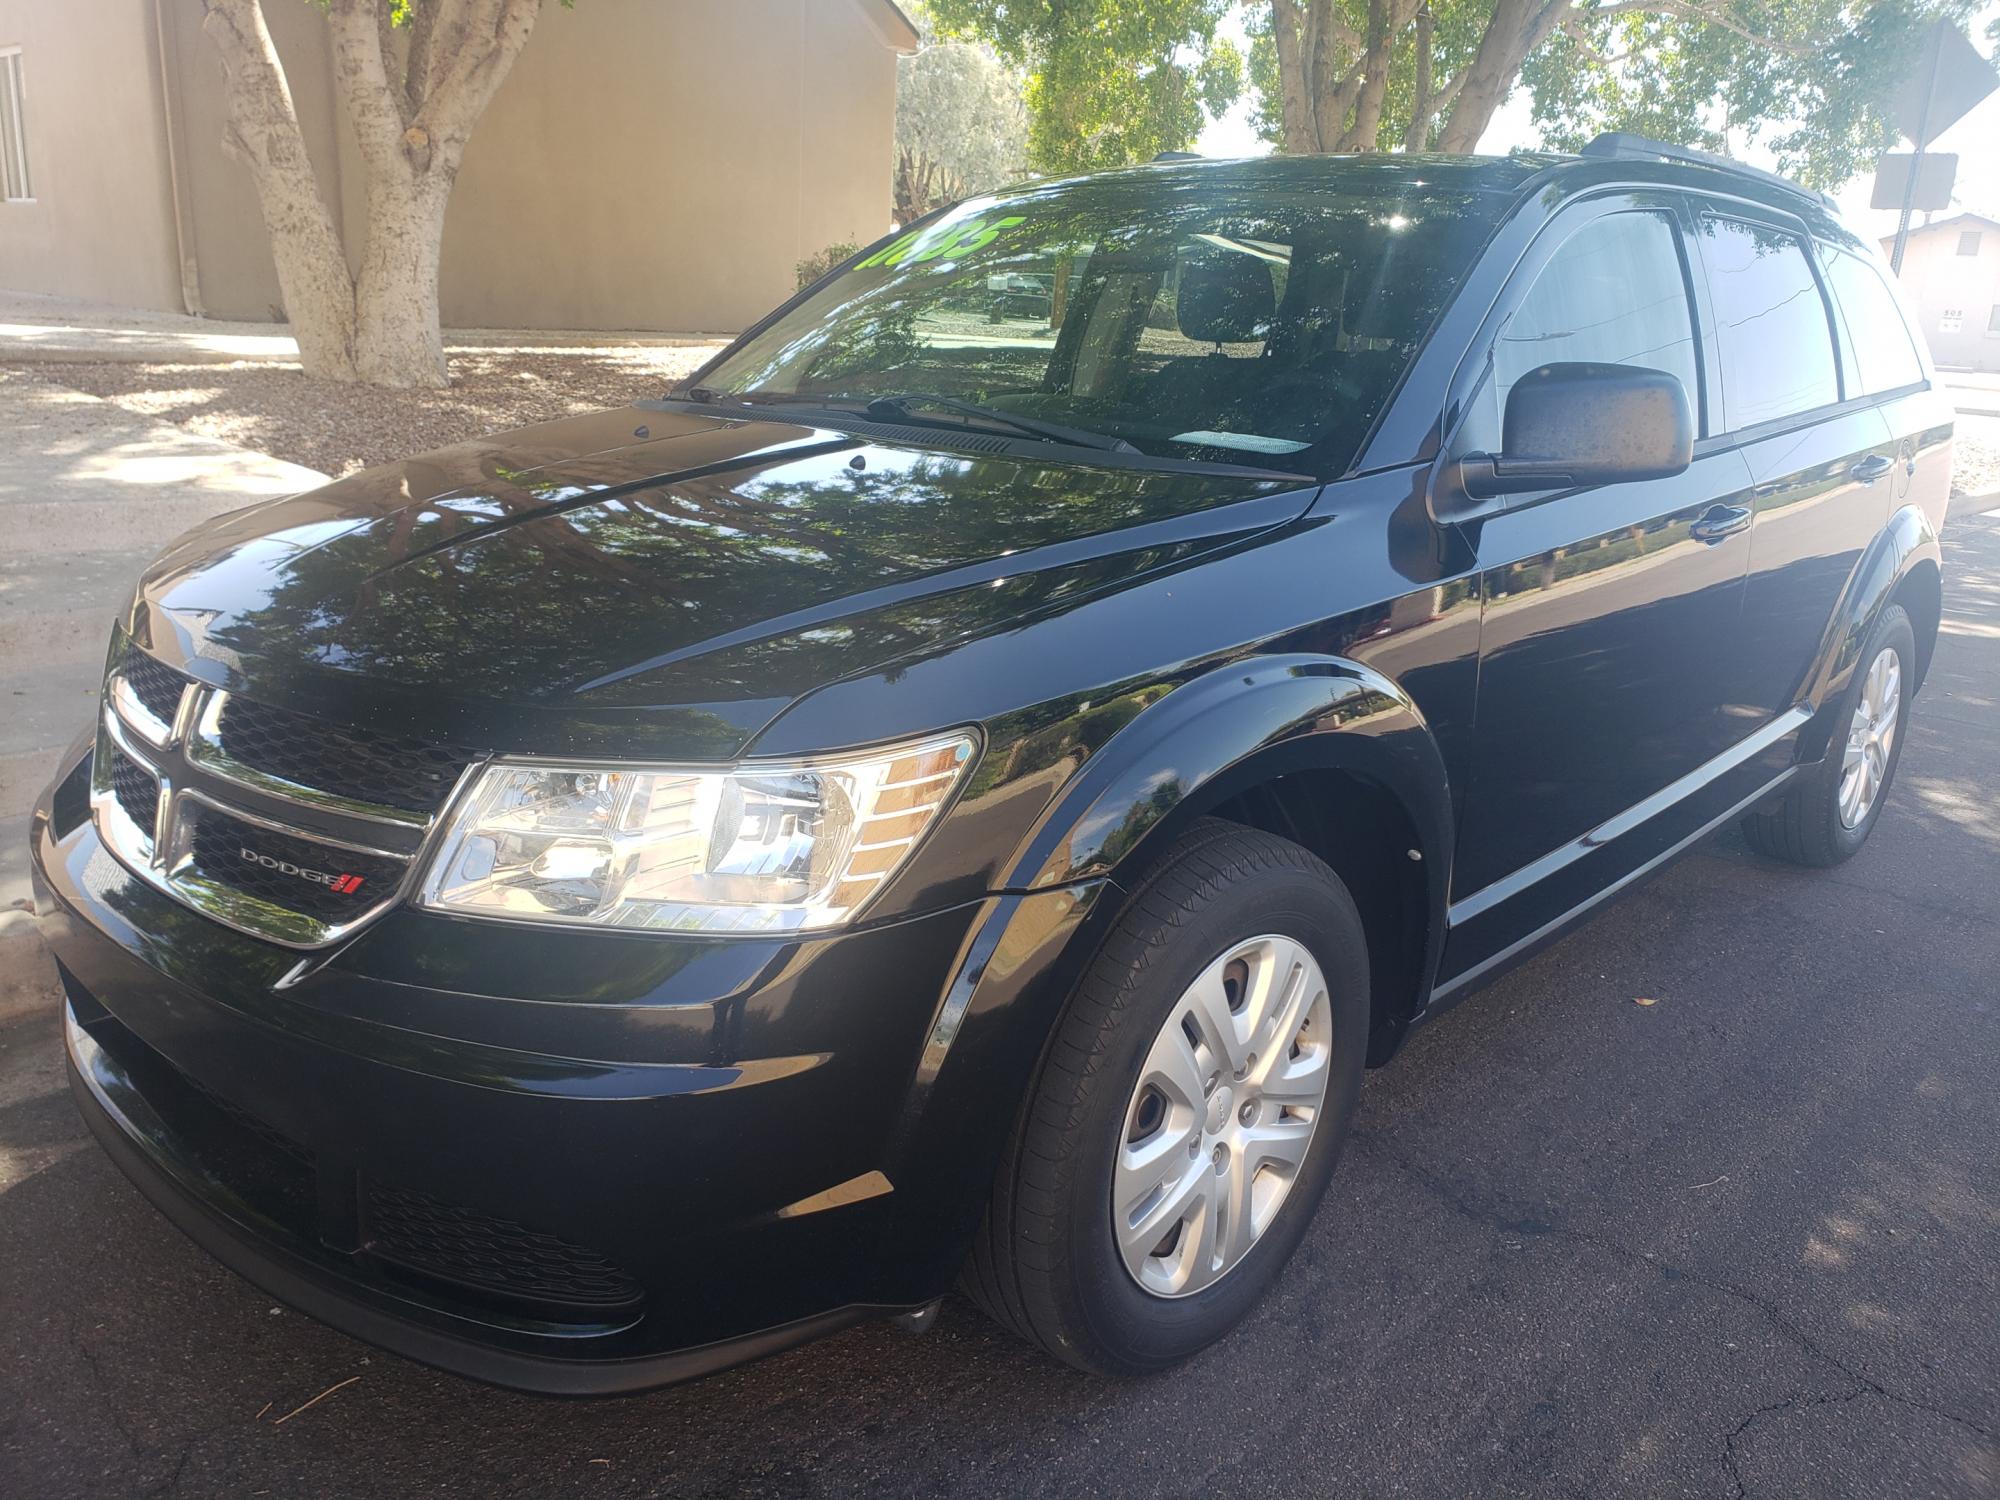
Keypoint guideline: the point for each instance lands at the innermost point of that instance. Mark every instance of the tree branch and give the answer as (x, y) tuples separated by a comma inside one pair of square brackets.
[(361, 73), (492, 35), (1706, 15)]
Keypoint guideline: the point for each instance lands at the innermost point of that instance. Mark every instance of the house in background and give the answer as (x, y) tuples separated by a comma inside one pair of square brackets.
[(1951, 276), (648, 164)]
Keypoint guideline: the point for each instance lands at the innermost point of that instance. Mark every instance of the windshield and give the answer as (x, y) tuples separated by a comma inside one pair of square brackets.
[(1227, 314)]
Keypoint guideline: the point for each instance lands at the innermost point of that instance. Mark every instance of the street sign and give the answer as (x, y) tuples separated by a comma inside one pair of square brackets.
[(1934, 179), (1948, 80)]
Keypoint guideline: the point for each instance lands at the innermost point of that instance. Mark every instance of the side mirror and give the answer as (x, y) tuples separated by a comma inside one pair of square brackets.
[(1577, 424)]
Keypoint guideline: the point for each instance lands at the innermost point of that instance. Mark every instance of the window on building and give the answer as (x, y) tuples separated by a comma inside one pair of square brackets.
[(14, 184), (1968, 242), (1952, 320), (1993, 319), (1777, 345)]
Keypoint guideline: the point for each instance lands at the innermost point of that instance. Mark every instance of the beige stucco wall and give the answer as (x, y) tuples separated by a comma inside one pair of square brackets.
[(664, 164), (101, 226), (648, 164), (226, 229), (1937, 278)]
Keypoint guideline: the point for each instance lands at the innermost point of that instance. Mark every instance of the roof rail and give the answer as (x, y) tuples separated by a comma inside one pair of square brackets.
[(1179, 156), (1619, 145)]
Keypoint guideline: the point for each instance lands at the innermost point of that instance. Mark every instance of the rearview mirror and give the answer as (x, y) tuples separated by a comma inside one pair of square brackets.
[(1576, 424)]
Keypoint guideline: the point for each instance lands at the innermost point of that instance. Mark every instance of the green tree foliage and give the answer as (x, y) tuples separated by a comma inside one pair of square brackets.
[(960, 118), (1810, 78), (1109, 82)]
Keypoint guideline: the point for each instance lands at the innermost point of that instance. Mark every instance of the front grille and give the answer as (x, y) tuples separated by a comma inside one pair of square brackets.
[(278, 824), (136, 790), (492, 1255), (357, 764), (322, 881), (155, 685)]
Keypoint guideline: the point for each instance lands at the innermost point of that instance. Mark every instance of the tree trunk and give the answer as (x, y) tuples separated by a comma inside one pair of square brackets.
[(381, 327), (1517, 28), (263, 133), (1418, 136), (1288, 31), (1373, 79), (397, 341)]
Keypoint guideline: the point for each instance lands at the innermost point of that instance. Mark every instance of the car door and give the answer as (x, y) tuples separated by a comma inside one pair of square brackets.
[(1606, 612), (1820, 453)]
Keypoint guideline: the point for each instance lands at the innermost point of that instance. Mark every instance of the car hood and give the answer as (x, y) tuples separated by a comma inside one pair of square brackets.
[(657, 582)]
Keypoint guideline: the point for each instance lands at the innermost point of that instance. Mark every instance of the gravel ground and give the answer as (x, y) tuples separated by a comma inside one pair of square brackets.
[(277, 409), (1976, 454)]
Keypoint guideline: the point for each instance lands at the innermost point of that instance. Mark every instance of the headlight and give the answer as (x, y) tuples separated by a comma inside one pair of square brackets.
[(759, 847)]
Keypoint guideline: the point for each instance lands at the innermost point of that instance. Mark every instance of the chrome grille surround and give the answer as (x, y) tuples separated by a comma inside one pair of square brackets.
[(197, 780)]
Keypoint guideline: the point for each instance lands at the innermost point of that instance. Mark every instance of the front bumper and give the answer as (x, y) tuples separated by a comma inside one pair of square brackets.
[(572, 1163)]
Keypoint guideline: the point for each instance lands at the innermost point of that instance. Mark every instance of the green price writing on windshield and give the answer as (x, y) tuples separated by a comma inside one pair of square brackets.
[(921, 245)]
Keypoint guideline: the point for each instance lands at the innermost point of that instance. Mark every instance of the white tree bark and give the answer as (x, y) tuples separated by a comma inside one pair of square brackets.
[(263, 133), (412, 117)]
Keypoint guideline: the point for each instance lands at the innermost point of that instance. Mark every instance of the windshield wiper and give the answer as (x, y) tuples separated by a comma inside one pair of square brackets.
[(890, 407)]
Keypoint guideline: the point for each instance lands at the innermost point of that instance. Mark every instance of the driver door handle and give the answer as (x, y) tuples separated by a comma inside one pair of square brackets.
[(1720, 522), (1872, 468)]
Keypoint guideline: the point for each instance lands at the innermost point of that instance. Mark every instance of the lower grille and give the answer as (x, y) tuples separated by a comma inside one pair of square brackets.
[(423, 1244), (491, 1255)]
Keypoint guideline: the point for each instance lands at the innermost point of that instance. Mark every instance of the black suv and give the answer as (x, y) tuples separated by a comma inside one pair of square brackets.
[(959, 791)]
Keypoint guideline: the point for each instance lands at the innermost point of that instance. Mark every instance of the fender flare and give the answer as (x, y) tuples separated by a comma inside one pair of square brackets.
[(1908, 540), (1230, 729)]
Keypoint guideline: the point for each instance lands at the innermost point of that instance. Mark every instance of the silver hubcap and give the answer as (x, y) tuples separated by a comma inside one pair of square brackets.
[(1871, 735), (1219, 1123)]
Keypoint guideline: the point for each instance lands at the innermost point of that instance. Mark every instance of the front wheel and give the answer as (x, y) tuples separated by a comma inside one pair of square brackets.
[(1830, 810), (1188, 1111)]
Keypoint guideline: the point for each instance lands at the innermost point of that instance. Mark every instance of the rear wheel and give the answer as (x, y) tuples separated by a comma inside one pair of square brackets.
[(1188, 1112), (1830, 810)]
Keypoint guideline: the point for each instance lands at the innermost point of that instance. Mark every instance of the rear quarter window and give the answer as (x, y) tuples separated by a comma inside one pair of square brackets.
[(1885, 359), (1771, 322)]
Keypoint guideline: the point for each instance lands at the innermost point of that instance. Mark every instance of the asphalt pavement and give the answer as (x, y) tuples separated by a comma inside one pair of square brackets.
[(1705, 1200)]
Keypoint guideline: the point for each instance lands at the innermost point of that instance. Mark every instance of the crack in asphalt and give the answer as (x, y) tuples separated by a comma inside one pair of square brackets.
[(106, 1401), (1494, 1219)]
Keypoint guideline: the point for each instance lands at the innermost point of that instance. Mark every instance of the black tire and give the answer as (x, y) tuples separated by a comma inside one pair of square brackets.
[(1805, 828), (1045, 1262)]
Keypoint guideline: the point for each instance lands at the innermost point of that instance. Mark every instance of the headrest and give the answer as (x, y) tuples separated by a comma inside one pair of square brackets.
[(1225, 298)]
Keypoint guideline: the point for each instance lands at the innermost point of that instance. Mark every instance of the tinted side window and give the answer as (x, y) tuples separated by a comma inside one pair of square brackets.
[(1883, 351), (1777, 349), (1613, 293)]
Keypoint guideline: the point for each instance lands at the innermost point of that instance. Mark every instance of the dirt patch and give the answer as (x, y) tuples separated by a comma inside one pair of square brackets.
[(278, 409)]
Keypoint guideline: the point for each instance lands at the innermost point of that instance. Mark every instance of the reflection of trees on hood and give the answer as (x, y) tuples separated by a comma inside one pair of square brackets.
[(546, 582)]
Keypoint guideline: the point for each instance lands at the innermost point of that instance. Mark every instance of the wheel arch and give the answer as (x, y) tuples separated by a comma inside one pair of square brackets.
[(1921, 593), (1320, 750), (1902, 565)]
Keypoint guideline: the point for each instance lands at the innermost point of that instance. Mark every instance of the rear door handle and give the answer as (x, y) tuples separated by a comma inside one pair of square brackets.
[(1721, 521), (1872, 468)]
